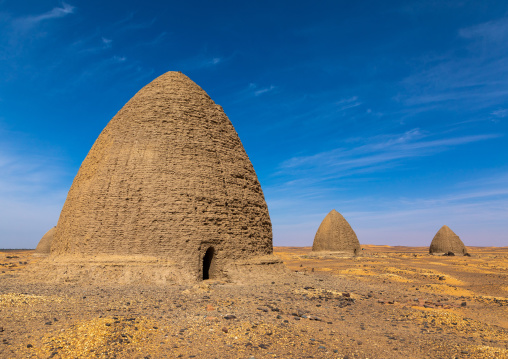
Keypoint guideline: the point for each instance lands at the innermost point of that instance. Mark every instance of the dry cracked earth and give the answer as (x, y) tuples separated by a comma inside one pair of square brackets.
[(392, 302)]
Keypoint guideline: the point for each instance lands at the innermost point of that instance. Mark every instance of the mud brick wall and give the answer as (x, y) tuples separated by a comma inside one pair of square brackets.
[(167, 177)]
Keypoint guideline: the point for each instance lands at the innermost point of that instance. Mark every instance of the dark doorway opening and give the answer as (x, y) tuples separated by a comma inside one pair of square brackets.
[(207, 262)]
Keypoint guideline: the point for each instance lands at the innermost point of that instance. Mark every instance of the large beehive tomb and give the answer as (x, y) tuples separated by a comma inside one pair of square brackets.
[(168, 178), (336, 235)]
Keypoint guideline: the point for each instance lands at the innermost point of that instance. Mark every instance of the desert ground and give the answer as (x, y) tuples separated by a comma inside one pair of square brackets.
[(391, 302)]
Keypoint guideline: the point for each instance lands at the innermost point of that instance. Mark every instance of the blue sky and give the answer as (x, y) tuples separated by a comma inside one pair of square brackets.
[(395, 113)]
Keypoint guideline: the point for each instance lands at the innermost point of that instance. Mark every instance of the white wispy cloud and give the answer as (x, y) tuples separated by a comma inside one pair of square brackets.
[(23, 175), (109, 65), (27, 22), (475, 210), (376, 153), (258, 92), (90, 44), (305, 186), (471, 77), (128, 23), (200, 62), (33, 188), (156, 41), (107, 42), (495, 31), (503, 112), (347, 103)]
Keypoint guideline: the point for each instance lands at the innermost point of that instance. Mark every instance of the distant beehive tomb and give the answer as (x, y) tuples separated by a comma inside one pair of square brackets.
[(44, 246), (446, 241), (336, 235), (169, 178)]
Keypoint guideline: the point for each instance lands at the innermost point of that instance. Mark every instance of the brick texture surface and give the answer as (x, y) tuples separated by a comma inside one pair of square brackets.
[(44, 246), (446, 241), (167, 177), (336, 235)]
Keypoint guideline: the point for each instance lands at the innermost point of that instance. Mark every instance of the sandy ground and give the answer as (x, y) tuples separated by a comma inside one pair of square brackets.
[(392, 302)]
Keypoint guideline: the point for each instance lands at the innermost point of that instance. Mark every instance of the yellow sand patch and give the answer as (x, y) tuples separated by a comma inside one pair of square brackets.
[(395, 278), (451, 321), (399, 271), (432, 274), (330, 294), (453, 281), (446, 289), (244, 335), (286, 257), (425, 309), (476, 269), (356, 271), (365, 278), (15, 299), (491, 299), (439, 263), (104, 338), (483, 351)]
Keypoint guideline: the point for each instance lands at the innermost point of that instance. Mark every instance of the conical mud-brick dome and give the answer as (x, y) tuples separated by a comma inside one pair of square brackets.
[(44, 246), (168, 177), (446, 241), (336, 235)]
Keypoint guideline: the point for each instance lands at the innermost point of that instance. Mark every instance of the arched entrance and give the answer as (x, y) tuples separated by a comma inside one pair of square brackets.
[(207, 262)]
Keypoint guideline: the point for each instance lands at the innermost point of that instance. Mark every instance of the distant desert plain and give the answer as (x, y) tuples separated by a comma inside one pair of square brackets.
[(390, 302)]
